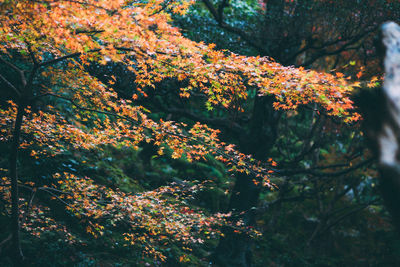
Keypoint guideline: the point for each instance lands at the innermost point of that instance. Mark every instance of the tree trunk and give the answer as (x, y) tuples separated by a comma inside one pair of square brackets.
[(383, 127), (16, 246), (235, 248)]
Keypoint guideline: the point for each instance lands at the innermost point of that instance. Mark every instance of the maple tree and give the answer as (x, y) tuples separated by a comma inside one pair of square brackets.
[(49, 47)]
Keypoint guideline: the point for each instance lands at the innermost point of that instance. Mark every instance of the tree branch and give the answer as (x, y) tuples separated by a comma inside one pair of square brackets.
[(218, 16), (18, 70), (219, 122), (326, 174), (10, 85), (352, 39), (73, 55)]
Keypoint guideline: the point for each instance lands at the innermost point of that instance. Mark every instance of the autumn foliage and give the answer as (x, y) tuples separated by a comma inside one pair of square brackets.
[(49, 46)]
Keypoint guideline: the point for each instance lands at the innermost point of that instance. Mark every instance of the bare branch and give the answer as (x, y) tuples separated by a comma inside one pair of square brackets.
[(10, 85), (218, 16), (313, 171), (351, 39), (18, 70)]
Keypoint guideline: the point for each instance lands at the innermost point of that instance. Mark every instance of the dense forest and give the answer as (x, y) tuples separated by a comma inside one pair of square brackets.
[(199, 133)]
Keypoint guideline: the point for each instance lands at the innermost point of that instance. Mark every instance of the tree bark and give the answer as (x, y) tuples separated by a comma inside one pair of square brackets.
[(383, 128), (234, 248), (16, 245)]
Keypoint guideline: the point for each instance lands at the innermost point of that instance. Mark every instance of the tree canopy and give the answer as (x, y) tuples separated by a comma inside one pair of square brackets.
[(88, 78)]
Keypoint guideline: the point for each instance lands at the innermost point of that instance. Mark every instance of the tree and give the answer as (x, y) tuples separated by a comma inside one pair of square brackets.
[(383, 128), (49, 48), (301, 33), (280, 29), (320, 33)]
